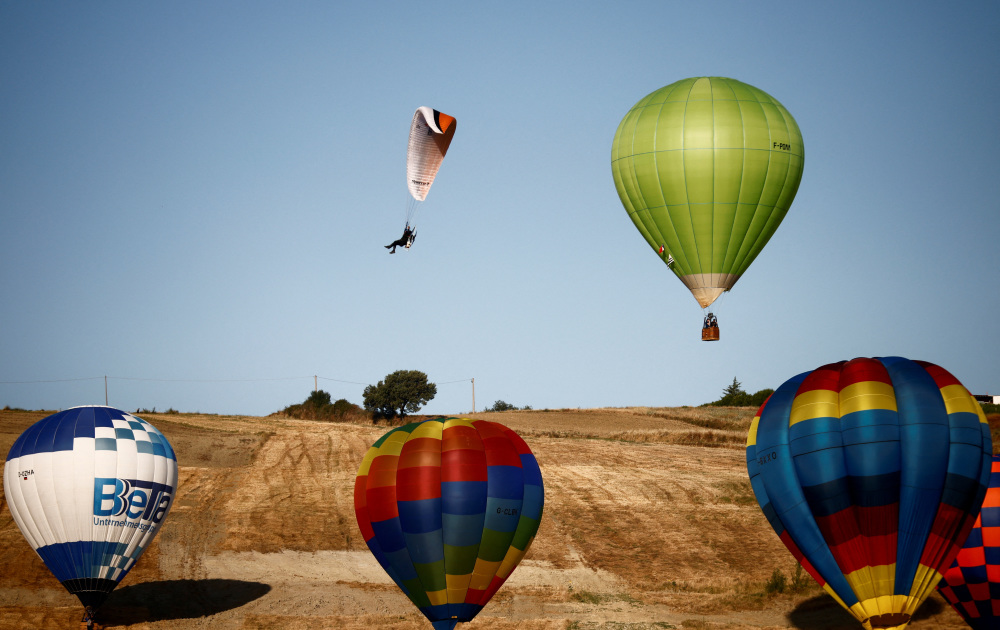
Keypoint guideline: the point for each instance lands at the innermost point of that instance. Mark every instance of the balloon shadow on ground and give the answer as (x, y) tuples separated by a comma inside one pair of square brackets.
[(177, 599), (824, 613)]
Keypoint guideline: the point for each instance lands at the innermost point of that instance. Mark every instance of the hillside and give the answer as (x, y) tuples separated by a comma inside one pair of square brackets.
[(649, 523)]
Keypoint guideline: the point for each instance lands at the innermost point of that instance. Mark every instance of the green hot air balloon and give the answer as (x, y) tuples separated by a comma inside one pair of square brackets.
[(706, 169)]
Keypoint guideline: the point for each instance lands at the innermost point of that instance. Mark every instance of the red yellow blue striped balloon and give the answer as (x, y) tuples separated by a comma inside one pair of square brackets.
[(449, 507), (972, 584), (872, 472)]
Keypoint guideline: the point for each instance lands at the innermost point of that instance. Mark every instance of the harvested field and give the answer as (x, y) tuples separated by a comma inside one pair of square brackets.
[(649, 523)]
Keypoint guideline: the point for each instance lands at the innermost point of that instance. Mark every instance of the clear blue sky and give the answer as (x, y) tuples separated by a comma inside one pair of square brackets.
[(198, 194)]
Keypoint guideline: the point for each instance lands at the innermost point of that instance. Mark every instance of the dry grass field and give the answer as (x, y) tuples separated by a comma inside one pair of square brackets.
[(649, 523)]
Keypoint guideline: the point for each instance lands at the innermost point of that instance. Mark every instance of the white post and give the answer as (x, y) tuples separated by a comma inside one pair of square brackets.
[(473, 395)]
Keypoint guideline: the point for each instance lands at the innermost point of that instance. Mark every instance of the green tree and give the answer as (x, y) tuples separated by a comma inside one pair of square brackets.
[(501, 406), (733, 391), (318, 407), (734, 396), (402, 392), (318, 399)]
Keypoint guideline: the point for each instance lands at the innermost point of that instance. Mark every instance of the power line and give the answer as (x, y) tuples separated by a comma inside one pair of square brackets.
[(59, 380), (200, 380), (337, 380), (207, 380)]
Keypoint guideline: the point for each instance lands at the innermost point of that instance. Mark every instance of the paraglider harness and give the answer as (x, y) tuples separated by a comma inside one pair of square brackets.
[(405, 240), (710, 329)]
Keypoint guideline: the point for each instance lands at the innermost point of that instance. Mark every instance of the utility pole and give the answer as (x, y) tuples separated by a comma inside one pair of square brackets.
[(315, 383), (473, 395), (106, 391)]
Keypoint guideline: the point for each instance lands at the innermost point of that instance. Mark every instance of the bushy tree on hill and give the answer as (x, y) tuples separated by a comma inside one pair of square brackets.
[(501, 405), (734, 396), (402, 392), (318, 407)]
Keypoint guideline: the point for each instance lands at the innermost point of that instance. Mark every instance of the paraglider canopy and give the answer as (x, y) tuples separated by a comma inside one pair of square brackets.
[(430, 136)]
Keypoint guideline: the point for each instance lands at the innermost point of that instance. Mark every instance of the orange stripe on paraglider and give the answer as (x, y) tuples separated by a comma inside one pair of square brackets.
[(444, 120)]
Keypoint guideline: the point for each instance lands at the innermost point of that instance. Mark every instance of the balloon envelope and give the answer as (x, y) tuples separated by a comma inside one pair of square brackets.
[(706, 168), (871, 472), (449, 507), (89, 488), (972, 584)]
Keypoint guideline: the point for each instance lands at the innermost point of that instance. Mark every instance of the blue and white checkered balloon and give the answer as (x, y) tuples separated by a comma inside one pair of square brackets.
[(89, 488)]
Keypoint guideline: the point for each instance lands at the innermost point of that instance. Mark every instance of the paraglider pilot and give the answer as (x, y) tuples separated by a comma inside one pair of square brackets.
[(402, 241)]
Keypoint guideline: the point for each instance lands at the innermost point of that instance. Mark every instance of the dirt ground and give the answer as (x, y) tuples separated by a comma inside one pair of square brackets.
[(649, 522)]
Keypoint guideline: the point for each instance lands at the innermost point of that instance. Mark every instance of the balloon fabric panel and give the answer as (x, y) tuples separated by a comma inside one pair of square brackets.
[(972, 584), (883, 480), (449, 507), (89, 487)]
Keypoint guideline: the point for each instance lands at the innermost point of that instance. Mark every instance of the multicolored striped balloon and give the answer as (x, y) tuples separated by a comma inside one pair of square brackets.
[(89, 487), (871, 472), (449, 507), (972, 584)]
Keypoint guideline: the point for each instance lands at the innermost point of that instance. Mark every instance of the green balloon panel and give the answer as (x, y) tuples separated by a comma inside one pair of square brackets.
[(707, 168)]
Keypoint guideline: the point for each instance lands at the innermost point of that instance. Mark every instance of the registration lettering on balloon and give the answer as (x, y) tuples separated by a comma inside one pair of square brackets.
[(763, 459)]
